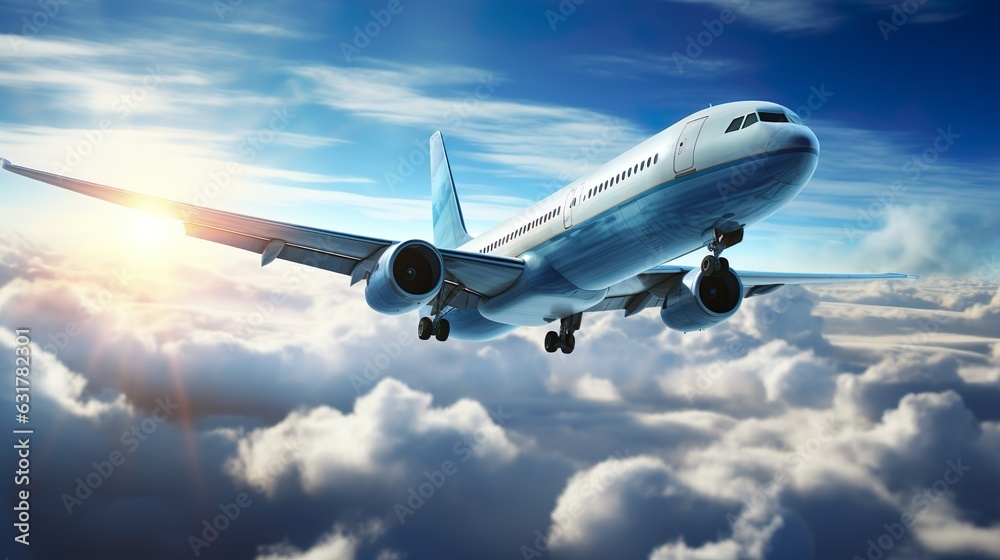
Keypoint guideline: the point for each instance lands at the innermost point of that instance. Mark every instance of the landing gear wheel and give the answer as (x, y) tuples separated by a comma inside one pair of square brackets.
[(552, 341), (568, 344), (425, 328), (723, 265), (443, 329), (564, 339), (709, 265)]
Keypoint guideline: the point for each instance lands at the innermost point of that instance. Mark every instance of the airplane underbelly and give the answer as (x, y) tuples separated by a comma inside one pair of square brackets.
[(470, 324), (540, 295)]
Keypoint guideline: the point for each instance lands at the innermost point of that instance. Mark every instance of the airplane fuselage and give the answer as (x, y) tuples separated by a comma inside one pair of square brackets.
[(660, 200)]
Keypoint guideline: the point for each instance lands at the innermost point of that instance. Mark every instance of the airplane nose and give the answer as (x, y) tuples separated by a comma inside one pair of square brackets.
[(792, 154)]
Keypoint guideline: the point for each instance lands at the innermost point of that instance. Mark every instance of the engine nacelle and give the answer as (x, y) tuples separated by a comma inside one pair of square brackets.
[(406, 277), (700, 302)]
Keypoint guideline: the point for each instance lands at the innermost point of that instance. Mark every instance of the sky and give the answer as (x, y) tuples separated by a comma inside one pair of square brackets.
[(187, 403)]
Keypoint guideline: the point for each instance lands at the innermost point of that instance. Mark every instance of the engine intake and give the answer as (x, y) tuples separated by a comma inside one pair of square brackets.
[(699, 302), (406, 277)]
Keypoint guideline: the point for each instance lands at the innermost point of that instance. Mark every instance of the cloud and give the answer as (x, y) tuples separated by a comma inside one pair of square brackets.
[(326, 447), (780, 15), (466, 102), (641, 65), (338, 544), (793, 16)]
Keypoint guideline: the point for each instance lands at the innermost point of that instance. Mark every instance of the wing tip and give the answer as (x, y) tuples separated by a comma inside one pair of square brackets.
[(4, 162)]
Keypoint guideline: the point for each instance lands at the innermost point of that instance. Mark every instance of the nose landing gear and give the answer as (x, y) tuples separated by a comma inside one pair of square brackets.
[(721, 240)]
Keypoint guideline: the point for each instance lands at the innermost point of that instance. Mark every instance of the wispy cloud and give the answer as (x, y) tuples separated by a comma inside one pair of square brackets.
[(641, 66)]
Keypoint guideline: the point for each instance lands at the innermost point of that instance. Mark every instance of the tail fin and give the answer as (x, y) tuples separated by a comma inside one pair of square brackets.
[(449, 226)]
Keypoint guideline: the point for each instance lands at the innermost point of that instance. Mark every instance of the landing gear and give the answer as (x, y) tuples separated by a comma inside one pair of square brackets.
[(443, 330), (721, 240), (712, 264), (439, 329), (564, 339), (425, 328)]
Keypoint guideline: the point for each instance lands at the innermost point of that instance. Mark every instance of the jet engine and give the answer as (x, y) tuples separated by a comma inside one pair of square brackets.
[(699, 302), (406, 277)]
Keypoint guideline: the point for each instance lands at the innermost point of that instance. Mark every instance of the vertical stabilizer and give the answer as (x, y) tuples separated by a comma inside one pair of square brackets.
[(449, 226)]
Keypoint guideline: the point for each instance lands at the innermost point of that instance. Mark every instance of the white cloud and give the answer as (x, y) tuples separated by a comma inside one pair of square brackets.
[(469, 103), (339, 544), (327, 447), (596, 496), (779, 15), (749, 541), (638, 65)]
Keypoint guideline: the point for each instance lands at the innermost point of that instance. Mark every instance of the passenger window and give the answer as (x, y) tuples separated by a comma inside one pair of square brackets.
[(642, 165), (656, 157), (751, 119), (735, 125)]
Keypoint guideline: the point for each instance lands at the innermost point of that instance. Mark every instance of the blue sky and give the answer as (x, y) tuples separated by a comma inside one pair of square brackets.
[(520, 91), (644, 443)]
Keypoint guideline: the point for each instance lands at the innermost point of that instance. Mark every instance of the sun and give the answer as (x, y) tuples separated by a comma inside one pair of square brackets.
[(148, 230)]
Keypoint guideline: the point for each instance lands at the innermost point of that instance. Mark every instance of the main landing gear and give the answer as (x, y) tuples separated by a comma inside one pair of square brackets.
[(438, 328), (564, 340), (715, 262), (435, 325)]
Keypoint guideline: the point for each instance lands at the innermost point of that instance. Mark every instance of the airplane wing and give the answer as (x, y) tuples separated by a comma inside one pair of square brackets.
[(650, 288), (469, 275)]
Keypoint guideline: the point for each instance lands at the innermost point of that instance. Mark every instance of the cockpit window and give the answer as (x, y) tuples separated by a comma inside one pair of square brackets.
[(794, 118), (735, 125), (751, 119), (773, 117)]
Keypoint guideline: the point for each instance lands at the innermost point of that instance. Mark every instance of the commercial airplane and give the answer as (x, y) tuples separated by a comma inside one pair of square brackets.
[(598, 244)]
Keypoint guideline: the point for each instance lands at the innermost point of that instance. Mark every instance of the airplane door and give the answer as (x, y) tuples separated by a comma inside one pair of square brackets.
[(571, 201), (684, 154)]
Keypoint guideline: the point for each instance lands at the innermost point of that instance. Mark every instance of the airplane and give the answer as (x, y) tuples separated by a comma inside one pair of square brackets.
[(601, 243)]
